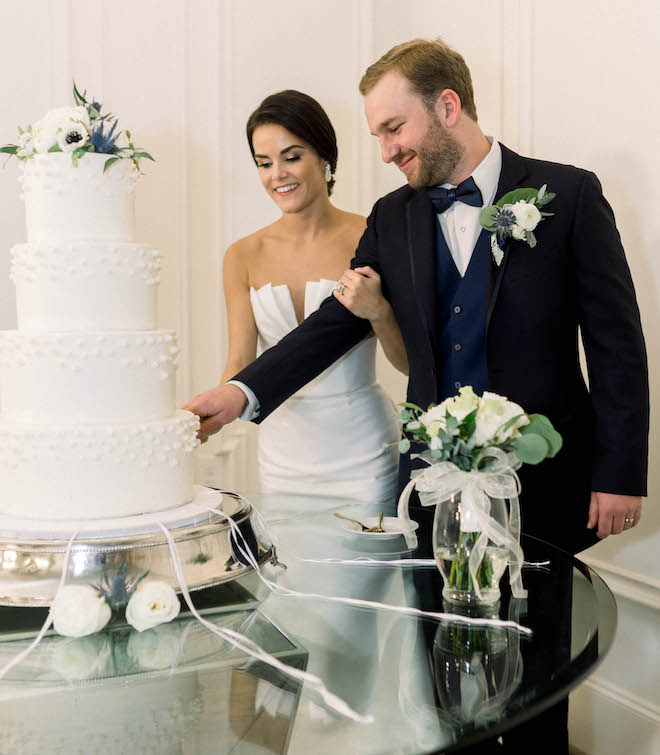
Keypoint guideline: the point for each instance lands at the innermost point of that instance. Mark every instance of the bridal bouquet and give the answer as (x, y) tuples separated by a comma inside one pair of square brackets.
[(77, 130), (473, 446)]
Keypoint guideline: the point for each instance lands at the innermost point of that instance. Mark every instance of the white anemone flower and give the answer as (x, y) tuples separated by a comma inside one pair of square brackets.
[(72, 136)]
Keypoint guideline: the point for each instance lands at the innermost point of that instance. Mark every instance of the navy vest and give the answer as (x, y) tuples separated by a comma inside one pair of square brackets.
[(461, 316)]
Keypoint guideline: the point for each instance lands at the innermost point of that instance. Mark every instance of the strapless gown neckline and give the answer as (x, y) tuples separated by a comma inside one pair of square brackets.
[(313, 290)]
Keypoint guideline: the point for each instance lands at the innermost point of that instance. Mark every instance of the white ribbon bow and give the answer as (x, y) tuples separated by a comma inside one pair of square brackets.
[(476, 487)]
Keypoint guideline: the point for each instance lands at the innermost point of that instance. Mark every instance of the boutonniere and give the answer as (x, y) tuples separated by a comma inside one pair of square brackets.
[(516, 216)]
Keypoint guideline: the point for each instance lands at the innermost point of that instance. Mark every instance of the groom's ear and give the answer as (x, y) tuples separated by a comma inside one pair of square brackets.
[(448, 108)]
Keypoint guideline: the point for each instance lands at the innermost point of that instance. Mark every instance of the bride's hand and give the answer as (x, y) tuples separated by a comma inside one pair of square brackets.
[(362, 295), (216, 408)]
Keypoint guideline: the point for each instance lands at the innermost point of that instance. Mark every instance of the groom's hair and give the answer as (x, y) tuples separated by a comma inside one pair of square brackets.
[(303, 117), (430, 66)]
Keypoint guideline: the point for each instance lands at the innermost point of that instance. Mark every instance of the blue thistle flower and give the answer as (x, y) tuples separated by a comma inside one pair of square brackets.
[(104, 142), (503, 223)]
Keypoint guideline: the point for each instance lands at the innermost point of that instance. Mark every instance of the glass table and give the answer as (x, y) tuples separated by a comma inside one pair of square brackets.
[(429, 685)]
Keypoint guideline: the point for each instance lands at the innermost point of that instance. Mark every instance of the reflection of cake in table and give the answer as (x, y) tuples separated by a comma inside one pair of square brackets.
[(89, 425), (176, 688)]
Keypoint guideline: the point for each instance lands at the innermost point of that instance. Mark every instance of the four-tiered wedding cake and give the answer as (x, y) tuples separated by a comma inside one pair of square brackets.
[(88, 426)]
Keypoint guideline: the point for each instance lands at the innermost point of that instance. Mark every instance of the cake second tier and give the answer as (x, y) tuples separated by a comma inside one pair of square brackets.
[(95, 472), (87, 378)]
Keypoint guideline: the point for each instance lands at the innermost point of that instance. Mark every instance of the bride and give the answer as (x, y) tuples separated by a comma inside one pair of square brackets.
[(330, 437)]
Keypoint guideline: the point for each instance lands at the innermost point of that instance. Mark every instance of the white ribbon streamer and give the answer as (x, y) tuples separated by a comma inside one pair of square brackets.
[(406, 610), (49, 618), (476, 487), (249, 647)]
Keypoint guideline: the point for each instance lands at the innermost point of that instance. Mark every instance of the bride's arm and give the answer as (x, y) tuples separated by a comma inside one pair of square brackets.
[(362, 295), (241, 327)]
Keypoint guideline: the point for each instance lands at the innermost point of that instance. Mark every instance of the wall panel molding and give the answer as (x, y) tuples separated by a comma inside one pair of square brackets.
[(517, 74), (627, 584)]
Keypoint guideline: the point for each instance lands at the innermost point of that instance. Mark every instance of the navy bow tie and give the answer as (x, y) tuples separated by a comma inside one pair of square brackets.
[(467, 192)]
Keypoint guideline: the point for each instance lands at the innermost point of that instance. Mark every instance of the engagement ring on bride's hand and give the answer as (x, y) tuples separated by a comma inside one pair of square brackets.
[(340, 288)]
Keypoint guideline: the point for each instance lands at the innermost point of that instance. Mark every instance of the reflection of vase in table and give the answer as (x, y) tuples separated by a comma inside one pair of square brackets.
[(476, 668)]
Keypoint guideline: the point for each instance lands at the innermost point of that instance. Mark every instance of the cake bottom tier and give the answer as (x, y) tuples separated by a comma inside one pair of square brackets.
[(96, 471)]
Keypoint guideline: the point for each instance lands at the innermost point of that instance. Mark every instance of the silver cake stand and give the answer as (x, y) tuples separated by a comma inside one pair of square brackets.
[(32, 554)]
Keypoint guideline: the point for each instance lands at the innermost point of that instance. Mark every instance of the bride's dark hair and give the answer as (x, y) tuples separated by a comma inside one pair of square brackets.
[(301, 115)]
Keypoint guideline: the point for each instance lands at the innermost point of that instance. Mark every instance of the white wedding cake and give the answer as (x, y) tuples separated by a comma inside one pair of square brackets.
[(88, 427)]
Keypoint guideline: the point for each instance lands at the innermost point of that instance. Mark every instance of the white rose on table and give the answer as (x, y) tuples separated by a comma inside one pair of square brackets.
[(79, 610), (153, 603), (156, 648), (82, 657), (494, 412)]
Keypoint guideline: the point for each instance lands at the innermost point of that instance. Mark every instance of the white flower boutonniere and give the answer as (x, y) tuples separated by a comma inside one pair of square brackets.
[(516, 216)]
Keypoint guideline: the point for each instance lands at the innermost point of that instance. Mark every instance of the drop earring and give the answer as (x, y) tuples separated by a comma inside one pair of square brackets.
[(328, 173)]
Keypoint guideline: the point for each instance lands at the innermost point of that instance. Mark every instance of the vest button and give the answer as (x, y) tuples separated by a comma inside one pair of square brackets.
[(457, 347), (457, 310)]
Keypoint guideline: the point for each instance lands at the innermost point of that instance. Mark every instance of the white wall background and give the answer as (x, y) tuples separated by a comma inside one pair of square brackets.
[(565, 81)]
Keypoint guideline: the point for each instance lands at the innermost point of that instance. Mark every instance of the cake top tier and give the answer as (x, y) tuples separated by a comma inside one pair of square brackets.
[(77, 130), (79, 172)]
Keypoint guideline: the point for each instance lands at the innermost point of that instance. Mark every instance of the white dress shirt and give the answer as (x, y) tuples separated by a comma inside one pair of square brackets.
[(460, 223), (460, 227)]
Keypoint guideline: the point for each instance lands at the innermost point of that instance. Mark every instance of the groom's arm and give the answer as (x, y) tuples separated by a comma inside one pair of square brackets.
[(614, 347), (313, 346)]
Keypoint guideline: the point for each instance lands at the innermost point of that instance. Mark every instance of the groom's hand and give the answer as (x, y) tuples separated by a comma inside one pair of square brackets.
[(613, 513), (216, 408)]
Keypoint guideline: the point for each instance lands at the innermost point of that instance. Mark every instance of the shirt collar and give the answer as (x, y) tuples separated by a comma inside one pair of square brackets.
[(487, 174)]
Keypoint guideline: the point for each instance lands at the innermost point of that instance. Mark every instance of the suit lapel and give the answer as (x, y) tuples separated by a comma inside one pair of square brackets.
[(512, 176), (420, 228)]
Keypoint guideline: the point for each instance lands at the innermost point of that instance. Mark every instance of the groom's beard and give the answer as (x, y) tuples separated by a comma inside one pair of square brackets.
[(438, 156)]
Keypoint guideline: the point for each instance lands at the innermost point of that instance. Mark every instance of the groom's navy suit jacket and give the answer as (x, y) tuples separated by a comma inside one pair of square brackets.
[(576, 277)]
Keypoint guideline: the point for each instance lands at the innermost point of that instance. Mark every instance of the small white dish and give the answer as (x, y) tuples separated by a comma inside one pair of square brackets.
[(391, 524)]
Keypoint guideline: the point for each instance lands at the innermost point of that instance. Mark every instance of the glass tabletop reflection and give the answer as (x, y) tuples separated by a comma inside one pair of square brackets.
[(429, 685)]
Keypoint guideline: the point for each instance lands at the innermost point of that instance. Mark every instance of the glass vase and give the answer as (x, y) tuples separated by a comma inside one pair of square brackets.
[(455, 534)]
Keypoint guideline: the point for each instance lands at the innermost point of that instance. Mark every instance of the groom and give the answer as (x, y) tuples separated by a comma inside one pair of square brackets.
[(511, 327)]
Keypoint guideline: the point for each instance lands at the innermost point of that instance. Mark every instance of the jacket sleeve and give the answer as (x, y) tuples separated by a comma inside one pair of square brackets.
[(313, 346), (614, 347)]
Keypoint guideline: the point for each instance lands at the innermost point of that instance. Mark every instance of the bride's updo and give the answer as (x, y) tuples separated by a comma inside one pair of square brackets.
[(301, 115)]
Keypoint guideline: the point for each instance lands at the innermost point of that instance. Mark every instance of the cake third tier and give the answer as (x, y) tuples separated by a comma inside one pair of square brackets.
[(87, 378)]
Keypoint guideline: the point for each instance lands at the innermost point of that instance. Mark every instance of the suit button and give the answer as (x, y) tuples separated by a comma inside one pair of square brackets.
[(457, 347), (457, 310), (457, 384)]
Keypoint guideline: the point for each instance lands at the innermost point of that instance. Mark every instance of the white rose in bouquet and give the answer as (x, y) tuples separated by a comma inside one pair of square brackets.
[(82, 657), (62, 115), (151, 604), (79, 610), (527, 215), (155, 648), (463, 404), (494, 412)]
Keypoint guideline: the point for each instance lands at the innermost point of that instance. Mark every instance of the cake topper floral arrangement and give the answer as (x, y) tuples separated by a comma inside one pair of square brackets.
[(77, 130)]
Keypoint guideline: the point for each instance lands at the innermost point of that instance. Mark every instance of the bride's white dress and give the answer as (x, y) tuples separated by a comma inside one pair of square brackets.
[(330, 437)]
